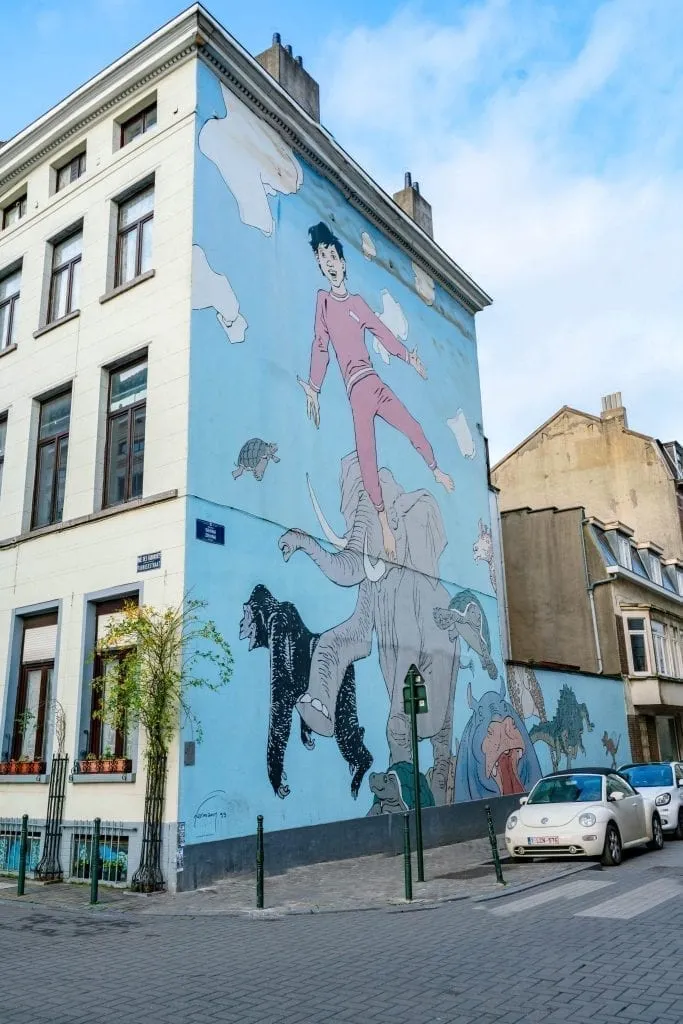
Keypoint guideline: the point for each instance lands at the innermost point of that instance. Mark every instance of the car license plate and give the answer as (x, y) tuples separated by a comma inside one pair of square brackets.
[(543, 840)]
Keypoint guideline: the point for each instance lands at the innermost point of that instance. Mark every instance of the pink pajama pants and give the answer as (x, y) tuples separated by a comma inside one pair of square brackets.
[(370, 397)]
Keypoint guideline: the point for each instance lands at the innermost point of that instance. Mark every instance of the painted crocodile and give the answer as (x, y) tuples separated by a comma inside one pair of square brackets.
[(564, 731)]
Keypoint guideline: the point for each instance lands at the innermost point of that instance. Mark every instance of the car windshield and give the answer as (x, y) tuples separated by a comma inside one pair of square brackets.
[(644, 775), (564, 789)]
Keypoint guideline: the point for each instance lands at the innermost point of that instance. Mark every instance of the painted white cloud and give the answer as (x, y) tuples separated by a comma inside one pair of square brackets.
[(424, 285), (546, 136), (463, 434), (368, 246), (393, 317), (253, 161), (211, 290)]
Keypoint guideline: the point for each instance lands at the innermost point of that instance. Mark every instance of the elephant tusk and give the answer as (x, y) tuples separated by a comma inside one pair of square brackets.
[(373, 572), (339, 542)]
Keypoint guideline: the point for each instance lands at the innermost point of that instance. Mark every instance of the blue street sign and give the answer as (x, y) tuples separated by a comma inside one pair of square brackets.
[(212, 533), (151, 561)]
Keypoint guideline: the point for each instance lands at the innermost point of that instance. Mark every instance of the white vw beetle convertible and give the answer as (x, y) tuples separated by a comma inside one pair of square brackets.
[(585, 812)]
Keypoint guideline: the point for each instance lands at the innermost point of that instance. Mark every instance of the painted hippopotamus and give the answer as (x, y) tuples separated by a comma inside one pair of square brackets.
[(496, 756), (394, 790)]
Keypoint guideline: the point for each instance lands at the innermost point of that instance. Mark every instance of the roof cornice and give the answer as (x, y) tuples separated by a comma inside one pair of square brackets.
[(131, 73), (247, 79), (196, 32)]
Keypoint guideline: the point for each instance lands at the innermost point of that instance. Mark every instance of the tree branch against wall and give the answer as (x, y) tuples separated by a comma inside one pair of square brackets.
[(161, 656)]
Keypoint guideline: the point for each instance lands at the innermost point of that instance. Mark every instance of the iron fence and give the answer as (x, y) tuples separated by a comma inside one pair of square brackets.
[(113, 859), (10, 836)]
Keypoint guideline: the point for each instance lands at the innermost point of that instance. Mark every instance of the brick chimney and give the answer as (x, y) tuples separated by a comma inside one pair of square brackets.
[(280, 62), (613, 409), (415, 205)]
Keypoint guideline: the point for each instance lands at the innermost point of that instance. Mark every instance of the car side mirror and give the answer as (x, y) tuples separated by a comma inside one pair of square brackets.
[(523, 799), (616, 797)]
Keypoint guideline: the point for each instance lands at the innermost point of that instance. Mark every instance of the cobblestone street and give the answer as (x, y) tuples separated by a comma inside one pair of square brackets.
[(599, 946)]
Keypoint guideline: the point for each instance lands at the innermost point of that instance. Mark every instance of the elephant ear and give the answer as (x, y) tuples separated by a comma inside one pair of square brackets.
[(424, 530)]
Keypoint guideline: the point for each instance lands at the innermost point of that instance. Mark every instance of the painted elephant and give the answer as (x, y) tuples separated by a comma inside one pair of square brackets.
[(396, 603), (495, 756)]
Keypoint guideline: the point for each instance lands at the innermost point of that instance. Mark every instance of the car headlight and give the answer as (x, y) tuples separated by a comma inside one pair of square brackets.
[(512, 821), (663, 799), (587, 820)]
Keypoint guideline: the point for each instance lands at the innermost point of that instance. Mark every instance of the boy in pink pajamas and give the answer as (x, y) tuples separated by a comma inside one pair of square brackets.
[(341, 319)]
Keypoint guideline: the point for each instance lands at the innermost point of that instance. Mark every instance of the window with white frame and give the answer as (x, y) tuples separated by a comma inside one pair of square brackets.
[(654, 567), (28, 724), (660, 646), (638, 648), (65, 277), (622, 548), (134, 236)]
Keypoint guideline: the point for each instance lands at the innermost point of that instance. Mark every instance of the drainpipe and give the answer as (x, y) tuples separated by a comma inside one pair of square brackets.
[(590, 587)]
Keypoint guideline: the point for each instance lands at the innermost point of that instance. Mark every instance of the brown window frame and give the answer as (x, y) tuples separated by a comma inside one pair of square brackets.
[(3, 423), (55, 272), (122, 233), (10, 301), (21, 202), (55, 440), (45, 668), (77, 162), (142, 115), (95, 723), (130, 411)]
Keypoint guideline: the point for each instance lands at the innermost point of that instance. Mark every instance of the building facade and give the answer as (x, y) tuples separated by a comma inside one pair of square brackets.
[(588, 591), (233, 367)]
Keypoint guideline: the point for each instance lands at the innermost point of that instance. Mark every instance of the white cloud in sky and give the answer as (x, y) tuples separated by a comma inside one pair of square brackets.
[(212, 290), (393, 317), (547, 137)]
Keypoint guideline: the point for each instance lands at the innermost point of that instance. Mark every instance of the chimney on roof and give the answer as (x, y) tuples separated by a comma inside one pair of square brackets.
[(415, 205), (280, 62), (613, 409)]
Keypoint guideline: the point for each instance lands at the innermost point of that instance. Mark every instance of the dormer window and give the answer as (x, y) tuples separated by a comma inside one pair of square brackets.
[(622, 549), (655, 568)]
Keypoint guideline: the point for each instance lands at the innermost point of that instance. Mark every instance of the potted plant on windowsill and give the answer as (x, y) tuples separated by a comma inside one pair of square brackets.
[(114, 765)]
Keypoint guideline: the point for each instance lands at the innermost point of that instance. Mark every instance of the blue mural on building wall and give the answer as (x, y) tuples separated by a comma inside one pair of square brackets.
[(335, 435)]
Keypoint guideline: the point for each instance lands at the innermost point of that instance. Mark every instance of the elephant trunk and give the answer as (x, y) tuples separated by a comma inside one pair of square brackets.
[(345, 568)]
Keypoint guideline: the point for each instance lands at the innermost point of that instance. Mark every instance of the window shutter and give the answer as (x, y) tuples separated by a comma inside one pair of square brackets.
[(40, 641), (621, 643)]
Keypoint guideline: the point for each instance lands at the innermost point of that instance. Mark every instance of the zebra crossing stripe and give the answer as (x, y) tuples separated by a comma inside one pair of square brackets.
[(568, 891), (635, 901)]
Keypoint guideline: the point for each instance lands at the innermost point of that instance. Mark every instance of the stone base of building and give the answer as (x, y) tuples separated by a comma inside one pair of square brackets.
[(204, 863)]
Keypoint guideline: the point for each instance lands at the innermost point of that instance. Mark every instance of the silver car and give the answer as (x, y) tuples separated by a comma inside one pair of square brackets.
[(662, 782)]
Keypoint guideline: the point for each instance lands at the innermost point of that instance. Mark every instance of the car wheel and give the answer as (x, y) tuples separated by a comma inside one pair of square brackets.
[(611, 854), (657, 841), (678, 834)]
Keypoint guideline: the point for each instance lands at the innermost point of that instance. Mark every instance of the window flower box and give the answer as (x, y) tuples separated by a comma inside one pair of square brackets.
[(106, 765), (22, 767)]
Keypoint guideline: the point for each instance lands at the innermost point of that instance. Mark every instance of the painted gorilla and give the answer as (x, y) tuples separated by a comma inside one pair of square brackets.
[(496, 756), (277, 625)]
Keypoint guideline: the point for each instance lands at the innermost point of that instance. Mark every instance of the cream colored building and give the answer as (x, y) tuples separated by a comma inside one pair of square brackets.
[(593, 560), (96, 200), (575, 458)]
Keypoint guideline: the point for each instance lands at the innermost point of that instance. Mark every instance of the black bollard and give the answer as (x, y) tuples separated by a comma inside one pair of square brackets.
[(95, 860), (259, 862), (23, 849), (494, 846), (407, 867)]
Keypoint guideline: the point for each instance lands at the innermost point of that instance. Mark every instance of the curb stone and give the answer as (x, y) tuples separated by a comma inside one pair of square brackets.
[(536, 884)]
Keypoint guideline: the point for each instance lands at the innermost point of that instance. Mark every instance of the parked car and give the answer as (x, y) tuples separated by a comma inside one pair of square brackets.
[(584, 812), (661, 781)]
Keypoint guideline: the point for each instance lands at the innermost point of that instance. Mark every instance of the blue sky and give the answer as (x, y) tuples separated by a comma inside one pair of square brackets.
[(546, 134)]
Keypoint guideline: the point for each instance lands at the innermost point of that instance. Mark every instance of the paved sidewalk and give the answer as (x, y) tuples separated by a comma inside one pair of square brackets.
[(460, 871)]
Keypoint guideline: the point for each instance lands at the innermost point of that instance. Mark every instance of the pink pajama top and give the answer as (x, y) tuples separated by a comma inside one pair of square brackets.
[(344, 323)]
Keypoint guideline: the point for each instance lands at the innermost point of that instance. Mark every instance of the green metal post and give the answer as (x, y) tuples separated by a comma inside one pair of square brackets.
[(494, 846), (95, 860), (407, 868), (259, 862), (416, 772), (23, 848)]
